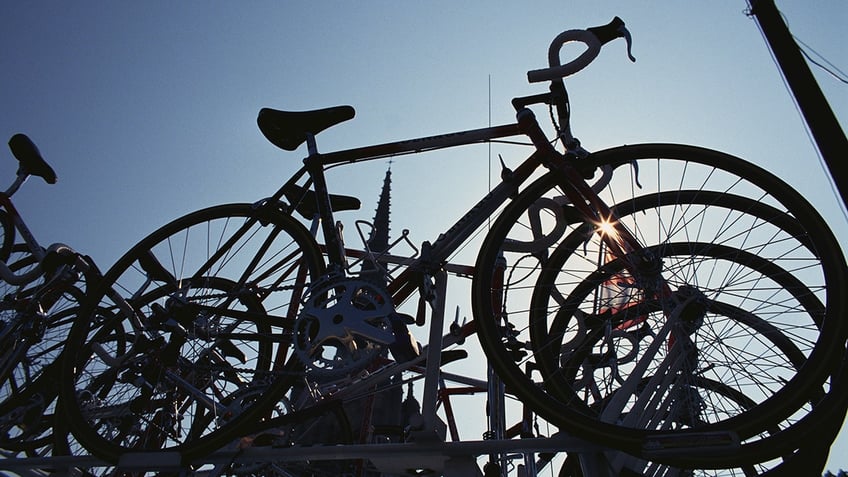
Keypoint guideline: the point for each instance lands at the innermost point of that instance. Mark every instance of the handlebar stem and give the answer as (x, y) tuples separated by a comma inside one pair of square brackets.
[(530, 127)]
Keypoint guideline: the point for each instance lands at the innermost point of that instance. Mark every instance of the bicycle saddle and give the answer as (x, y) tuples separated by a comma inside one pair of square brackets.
[(288, 129), (30, 158)]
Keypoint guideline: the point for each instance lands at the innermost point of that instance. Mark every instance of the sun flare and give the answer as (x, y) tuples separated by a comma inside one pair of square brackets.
[(606, 227)]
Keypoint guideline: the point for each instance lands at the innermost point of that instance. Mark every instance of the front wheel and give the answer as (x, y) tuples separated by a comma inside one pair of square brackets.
[(187, 342), (736, 280)]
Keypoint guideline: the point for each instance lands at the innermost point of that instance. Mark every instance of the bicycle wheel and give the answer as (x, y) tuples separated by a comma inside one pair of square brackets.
[(37, 339), (705, 391), (29, 388), (597, 362), (36, 319), (716, 210), (13, 320), (592, 343), (182, 346), (36, 323)]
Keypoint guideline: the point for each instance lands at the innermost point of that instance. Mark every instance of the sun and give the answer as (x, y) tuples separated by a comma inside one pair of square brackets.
[(607, 228)]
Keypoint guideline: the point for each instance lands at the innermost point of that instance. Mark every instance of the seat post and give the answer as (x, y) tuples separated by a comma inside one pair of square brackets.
[(332, 240), (19, 181), (311, 144)]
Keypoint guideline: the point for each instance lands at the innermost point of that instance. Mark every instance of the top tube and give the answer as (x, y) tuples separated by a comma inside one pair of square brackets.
[(424, 144)]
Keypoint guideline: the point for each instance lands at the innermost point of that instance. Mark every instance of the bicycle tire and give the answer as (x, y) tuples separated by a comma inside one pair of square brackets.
[(18, 328), (572, 466), (43, 345), (722, 324), (30, 389), (21, 261), (237, 255), (643, 170), (698, 404), (27, 424)]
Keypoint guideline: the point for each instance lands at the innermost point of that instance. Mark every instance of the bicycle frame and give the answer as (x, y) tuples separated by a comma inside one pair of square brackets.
[(32, 244), (434, 255), (315, 165), (427, 273)]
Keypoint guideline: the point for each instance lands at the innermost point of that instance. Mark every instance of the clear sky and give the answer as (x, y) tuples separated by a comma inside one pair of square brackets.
[(147, 110)]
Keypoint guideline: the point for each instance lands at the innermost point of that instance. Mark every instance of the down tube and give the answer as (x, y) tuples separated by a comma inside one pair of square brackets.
[(448, 242), (459, 232)]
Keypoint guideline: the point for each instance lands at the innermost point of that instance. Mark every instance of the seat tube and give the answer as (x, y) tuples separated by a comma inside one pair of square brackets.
[(332, 240)]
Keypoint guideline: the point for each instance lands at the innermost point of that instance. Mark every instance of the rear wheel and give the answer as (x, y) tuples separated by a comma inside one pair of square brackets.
[(186, 328)]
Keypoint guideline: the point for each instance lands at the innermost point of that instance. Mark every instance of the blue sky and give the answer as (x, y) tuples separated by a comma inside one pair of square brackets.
[(147, 110)]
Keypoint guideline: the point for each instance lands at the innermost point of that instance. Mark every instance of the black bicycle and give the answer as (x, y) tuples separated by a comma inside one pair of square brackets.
[(652, 298), (40, 292)]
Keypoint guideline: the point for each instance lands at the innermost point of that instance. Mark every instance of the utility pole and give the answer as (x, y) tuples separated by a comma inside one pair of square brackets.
[(817, 113), (832, 144)]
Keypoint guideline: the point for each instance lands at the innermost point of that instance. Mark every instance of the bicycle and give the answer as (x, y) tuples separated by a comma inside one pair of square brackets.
[(614, 291), (40, 291)]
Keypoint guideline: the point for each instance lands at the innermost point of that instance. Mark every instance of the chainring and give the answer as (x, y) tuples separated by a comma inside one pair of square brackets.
[(342, 327)]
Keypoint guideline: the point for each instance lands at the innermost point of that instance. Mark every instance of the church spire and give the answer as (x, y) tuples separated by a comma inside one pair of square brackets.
[(378, 239)]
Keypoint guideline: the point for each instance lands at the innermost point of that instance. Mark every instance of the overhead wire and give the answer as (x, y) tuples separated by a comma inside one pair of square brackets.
[(831, 69), (822, 164)]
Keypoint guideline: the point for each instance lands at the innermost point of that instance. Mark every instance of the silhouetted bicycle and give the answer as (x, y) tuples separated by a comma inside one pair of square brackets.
[(40, 292), (657, 299)]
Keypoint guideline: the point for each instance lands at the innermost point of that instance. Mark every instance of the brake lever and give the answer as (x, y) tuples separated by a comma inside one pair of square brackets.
[(611, 31), (628, 40)]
